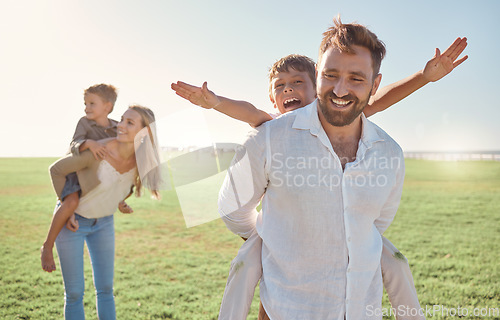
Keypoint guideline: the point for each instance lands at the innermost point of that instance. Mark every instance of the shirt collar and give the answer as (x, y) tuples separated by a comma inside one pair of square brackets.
[(307, 119), (111, 125), (369, 132)]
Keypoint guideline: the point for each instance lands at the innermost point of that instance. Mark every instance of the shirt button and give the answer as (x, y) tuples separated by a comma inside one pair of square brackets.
[(349, 239), (348, 269), (346, 301)]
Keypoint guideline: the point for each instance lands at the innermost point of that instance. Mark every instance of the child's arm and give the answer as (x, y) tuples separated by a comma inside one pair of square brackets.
[(436, 68), (80, 142), (240, 110), (97, 148)]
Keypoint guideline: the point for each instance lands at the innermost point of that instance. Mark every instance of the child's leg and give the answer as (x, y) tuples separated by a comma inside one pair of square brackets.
[(63, 211), (244, 274), (398, 283)]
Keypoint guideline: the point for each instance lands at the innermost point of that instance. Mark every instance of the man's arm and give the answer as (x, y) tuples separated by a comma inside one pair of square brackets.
[(244, 186), (436, 68), (239, 110)]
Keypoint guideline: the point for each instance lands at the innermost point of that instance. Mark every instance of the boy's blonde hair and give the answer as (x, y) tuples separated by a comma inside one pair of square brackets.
[(294, 61), (344, 36), (107, 92)]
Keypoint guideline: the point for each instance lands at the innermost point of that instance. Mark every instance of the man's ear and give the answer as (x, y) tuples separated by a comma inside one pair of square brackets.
[(272, 100), (376, 83)]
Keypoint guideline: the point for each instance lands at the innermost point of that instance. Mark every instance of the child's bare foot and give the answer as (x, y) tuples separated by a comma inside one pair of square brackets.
[(47, 258)]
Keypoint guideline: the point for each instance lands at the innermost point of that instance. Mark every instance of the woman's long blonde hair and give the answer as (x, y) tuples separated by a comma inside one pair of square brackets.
[(147, 154)]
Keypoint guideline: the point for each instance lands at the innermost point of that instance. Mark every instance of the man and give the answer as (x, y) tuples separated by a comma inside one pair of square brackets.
[(330, 183)]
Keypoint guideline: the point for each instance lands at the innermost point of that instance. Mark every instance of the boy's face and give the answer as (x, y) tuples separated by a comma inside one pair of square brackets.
[(292, 90), (95, 107)]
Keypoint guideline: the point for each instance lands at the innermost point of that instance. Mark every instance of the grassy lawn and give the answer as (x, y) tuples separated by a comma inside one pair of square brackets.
[(448, 226)]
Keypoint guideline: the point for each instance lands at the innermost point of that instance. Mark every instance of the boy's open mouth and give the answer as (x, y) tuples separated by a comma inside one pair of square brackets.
[(291, 103)]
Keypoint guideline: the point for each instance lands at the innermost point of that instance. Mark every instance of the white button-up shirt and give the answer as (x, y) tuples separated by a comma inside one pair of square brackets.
[(320, 225)]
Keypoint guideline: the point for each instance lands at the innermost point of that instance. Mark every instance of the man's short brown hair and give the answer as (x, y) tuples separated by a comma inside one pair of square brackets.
[(344, 36)]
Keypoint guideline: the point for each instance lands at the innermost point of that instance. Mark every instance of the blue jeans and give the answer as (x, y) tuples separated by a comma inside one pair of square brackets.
[(100, 237)]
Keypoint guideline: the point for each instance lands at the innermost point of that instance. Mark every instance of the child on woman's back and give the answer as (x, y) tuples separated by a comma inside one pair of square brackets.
[(99, 101)]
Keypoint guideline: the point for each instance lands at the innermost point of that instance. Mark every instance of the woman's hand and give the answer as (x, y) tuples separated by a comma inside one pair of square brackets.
[(72, 224), (124, 207)]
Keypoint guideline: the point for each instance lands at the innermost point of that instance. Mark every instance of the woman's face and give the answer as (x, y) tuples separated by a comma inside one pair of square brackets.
[(129, 125)]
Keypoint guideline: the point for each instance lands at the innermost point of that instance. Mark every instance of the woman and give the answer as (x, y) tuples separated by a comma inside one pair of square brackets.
[(104, 183)]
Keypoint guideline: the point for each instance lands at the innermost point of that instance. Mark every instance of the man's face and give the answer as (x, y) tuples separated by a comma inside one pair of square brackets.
[(344, 84), (291, 90)]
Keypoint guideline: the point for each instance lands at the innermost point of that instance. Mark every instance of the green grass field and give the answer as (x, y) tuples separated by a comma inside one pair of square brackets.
[(448, 226)]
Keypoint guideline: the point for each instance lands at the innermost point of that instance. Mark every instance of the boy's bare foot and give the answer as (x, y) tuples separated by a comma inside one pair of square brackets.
[(47, 258)]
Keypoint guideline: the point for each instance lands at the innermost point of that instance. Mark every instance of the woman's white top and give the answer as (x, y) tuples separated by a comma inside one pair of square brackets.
[(103, 200)]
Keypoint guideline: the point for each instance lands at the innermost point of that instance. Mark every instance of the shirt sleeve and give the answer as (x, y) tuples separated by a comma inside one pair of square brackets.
[(245, 185), (62, 167), (390, 207), (79, 137)]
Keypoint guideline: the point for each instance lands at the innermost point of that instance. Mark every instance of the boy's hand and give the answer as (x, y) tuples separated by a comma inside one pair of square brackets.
[(72, 224), (443, 63), (124, 207), (97, 149), (199, 96)]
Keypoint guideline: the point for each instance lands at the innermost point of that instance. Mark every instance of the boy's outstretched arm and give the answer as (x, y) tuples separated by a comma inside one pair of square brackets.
[(240, 110), (436, 68)]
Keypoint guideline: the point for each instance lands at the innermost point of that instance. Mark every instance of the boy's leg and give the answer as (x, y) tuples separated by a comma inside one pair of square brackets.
[(398, 282), (262, 313), (101, 244), (244, 274), (70, 194), (70, 250), (62, 213), (71, 204)]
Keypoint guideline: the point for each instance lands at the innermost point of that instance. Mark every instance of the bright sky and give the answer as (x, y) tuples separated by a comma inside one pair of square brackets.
[(52, 50)]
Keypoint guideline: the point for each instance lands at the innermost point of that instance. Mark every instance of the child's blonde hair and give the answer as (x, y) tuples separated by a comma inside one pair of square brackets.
[(293, 61), (106, 92)]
